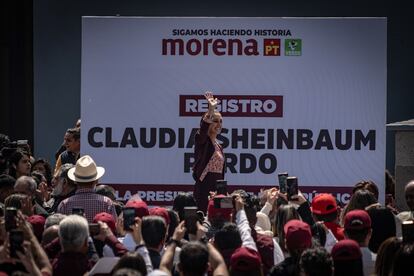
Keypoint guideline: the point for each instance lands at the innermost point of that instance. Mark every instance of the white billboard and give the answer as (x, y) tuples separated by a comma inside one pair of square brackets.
[(301, 95)]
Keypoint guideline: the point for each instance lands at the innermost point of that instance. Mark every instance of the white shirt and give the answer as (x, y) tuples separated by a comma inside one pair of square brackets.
[(278, 255), (330, 241), (368, 261), (128, 242)]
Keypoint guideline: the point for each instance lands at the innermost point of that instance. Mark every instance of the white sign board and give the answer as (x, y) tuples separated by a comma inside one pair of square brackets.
[(301, 95)]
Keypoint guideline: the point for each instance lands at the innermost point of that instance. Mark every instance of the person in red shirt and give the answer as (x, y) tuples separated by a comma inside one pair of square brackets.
[(324, 208)]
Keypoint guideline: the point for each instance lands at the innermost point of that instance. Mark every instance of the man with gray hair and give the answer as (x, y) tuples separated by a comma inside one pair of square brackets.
[(64, 187), (27, 185), (54, 219), (73, 235)]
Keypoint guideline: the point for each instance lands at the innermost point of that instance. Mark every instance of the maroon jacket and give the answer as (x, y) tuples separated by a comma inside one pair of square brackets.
[(266, 248), (203, 150), (71, 263)]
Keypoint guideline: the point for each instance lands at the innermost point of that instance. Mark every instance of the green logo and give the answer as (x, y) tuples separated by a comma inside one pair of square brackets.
[(293, 47)]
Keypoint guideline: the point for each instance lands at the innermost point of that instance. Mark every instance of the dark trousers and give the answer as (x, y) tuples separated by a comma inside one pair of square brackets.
[(202, 189)]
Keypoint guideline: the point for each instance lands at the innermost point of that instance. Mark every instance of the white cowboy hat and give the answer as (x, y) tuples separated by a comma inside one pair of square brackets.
[(85, 170)]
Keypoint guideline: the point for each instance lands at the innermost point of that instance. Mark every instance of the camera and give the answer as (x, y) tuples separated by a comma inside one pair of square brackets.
[(129, 217), (191, 218), (16, 239), (223, 202), (407, 228), (10, 221), (282, 181), (292, 186), (94, 229)]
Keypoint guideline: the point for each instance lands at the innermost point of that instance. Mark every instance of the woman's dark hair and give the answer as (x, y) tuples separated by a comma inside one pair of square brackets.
[(15, 200), (37, 176), (316, 262), (153, 230), (319, 233), (383, 226), (403, 261), (366, 185), (183, 200), (194, 258), (228, 237), (283, 215), (361, 199), (174, 221), (385, 256), (106, 190), (48, 169), (14, 160), (132, 260), (348, 268)]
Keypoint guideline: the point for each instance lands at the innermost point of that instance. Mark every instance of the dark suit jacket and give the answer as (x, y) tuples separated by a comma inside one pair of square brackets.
[(203, 150)]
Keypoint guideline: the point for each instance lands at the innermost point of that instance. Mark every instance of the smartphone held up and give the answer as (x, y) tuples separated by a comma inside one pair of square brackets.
[(129, 217), (191, 218), (292, 186), (282, 181)]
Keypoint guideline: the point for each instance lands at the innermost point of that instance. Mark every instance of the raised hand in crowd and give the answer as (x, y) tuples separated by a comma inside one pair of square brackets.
[(136, 231), (166, 264), (272, 195), (5, 251), (238, 203), (43, 191), (200, 234), (37, 251), (212, 102), (27, 259), (179, 232), (30, 254), (298, 199), (104, 232), (216, 261)]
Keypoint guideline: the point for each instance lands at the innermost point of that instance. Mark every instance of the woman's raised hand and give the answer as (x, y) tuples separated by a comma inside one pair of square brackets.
[(212, 102)]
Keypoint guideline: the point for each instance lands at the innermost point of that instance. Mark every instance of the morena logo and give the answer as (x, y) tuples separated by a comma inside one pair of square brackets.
[(234, 105), (220, 47)]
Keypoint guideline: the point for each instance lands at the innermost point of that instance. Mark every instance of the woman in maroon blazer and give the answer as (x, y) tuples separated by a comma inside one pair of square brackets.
[(208, 153)]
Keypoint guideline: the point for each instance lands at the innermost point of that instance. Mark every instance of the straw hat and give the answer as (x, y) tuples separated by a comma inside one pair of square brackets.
[(85, 170)]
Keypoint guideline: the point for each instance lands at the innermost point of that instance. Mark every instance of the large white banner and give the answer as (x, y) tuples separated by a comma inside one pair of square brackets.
[(301, 95)]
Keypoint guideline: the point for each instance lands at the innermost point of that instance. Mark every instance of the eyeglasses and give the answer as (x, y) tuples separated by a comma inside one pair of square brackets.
[(218, 121)]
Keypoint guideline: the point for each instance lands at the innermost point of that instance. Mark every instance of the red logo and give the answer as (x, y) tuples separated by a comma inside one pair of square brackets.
[(234, 105), (271, 47)]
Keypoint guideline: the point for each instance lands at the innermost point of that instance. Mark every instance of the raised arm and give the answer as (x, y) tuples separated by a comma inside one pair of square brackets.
[(166, 264), (202, 134), (243, 225)]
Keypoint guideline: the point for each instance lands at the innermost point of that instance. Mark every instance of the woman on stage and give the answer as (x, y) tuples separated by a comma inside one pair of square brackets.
[(208, 153)]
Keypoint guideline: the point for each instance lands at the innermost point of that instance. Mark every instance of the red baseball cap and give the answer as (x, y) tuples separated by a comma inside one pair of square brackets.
[(141, 208), (324, 204), (108, 219), (346, 250), (38, 225), (298, 235), (245, 259), (356, 220), (214, 213), (161, 212)]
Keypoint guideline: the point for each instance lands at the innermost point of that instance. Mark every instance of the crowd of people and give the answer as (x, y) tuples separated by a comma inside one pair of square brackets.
[(61, 221)]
